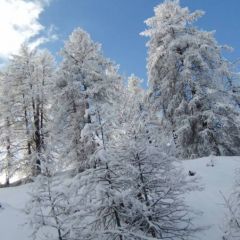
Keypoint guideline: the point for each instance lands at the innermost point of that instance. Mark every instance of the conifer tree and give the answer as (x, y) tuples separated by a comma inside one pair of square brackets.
[(48, 210), (87, 83), (132, 189), (29, 76), (188, 78)]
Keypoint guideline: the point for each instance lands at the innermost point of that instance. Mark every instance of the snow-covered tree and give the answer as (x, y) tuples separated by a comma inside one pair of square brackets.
[(232, 220), (29, 76), (188, 78), (132, 189), (48, 208), (8, 164), (41, 102), (87, 82), (134, 85), (157, 187)]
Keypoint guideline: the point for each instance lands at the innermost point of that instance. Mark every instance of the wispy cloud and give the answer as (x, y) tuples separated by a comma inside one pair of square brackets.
[(19, 23)]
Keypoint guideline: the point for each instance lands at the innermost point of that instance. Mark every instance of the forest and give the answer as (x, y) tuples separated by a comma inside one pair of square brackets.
[(102, 153)]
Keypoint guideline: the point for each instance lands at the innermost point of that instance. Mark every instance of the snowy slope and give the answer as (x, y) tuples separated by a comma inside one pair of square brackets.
[(12, 217), (215, 180), (209, 201)]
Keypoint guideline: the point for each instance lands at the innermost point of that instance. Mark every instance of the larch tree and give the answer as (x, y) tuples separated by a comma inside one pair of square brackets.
[(48, 209), (132, 191), (8, 164), (188, 82), (86, 82), (29, 77), (86, 93), (231, 224), (134, 85), (156, 188)]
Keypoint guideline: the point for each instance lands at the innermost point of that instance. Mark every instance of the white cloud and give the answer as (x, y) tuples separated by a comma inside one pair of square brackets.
[(49, 35), (19, 22)]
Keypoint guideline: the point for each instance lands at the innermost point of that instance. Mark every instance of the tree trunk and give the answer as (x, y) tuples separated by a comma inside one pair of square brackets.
[(37, 136), (8, 155)]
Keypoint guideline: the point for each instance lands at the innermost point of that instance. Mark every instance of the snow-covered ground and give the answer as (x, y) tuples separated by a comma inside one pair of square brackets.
[(12, 217), (215, 180)]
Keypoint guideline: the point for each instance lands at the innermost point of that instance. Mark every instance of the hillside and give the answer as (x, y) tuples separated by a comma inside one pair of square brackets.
[(216, 179)]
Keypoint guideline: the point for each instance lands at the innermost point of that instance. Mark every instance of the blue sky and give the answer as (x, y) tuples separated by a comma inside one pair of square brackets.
[(116, 24)]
